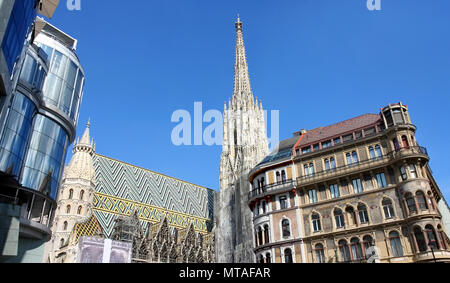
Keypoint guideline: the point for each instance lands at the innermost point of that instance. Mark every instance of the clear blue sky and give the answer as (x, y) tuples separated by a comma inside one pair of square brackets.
[(317, 61)]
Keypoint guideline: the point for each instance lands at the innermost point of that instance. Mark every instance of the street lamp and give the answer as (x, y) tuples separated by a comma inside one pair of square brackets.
[(431, 245)]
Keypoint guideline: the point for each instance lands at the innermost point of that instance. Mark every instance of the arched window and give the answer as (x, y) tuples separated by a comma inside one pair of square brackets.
[(413, 171), (405, 142), (357, 253), (388, 208), (65, 226), (332, 163), (266, 234), (286, 228), (268, 258), (367, 243), (68, 209), (278, 177), (260, 236), (344, 251), (372, 152), (403, 173), (363, 214), (420, 197), (378, 152), (431, 234), (316, 222), (355, 157), (396, 245), (320, 254), (351, 213), (420, 239), (79, 209), (261, 259), (81, 195), (70, 194), (61, 243), (396, 144), (339, 218), (442, 237), (283, 176), (411, 203), (288, 256)]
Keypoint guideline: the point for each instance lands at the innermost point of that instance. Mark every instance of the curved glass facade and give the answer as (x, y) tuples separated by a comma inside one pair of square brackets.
[(64, 82), (45, 156), (16, 133), (32, 72), (22, 16)]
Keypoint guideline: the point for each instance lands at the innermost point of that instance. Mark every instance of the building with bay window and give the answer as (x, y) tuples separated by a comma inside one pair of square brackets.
[(40, 123), (357, 191)]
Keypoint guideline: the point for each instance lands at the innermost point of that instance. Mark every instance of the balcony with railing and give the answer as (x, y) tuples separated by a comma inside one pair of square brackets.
[(400, 153), (271, 188)]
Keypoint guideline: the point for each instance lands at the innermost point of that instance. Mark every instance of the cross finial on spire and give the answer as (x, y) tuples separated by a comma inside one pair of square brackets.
[(238, 18), (88, 125)]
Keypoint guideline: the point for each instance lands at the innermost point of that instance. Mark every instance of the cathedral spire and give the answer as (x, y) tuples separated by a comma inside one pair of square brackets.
[(242, 88)]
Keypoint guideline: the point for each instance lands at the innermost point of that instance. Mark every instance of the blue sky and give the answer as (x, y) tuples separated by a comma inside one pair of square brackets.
[(317, 61)]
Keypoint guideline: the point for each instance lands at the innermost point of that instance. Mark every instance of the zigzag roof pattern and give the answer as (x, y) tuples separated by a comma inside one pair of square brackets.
[(141, 186)]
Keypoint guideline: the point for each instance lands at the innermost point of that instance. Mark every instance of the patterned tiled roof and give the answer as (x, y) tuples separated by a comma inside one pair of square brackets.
[(90, 227), (123, 188), (323, 133)]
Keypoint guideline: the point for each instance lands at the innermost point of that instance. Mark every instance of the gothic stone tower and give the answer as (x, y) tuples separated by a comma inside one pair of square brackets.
[(75, 197), (244, 146)]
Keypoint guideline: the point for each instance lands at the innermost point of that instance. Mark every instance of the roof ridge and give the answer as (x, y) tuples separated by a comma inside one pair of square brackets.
[(154, 172)]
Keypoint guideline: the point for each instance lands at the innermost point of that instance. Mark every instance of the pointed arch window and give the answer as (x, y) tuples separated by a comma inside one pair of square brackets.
[(320, 254), (80, 208), (363, 214), (317, 226), (388, 208), (68, 209), (61, 243), (339, 218), (70, 194), (81, 195), (65, 226)]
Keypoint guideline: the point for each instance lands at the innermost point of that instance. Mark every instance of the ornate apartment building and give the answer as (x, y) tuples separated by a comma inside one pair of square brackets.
[(356, 191)]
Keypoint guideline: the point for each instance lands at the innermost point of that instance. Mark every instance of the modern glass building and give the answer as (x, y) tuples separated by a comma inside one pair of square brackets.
[(16, 22), (38, 128)]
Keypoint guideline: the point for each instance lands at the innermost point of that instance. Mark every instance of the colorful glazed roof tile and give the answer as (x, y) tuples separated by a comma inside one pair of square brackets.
[(90, 228), (123, 188)]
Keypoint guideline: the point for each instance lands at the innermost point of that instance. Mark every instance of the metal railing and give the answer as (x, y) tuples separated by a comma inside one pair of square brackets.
[(349, 168), (267, 188)]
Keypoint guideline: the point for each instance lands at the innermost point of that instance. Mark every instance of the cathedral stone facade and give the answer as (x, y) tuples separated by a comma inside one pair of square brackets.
[(165, 219), (244, 145)]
